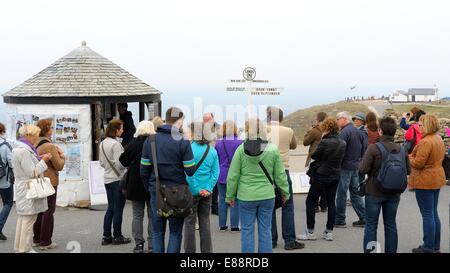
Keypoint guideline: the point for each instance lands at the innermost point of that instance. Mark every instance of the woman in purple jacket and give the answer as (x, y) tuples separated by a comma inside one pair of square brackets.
[(225, 149)]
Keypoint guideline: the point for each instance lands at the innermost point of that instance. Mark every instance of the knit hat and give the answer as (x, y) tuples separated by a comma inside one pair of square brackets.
[(359, 116)]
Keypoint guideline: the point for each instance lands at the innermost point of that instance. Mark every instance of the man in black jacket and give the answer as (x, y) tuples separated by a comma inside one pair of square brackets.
[(128, 124)]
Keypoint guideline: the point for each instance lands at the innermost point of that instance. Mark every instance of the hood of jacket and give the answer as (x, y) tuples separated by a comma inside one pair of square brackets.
[(254, 149)]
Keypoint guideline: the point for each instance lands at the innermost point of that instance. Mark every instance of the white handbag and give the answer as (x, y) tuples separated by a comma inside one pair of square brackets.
[(39, 187)]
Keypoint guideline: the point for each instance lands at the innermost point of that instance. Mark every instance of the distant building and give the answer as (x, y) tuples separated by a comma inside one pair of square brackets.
[(399, 96), (415, 95)]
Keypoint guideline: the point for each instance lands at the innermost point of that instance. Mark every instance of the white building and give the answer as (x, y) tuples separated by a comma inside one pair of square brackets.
[(422, 94), (415, 95), (399, 96)]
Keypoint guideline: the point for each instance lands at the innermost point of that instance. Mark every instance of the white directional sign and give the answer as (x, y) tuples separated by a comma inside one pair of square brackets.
[(236, 89), (245, 81), (257, 90), (266, 91)]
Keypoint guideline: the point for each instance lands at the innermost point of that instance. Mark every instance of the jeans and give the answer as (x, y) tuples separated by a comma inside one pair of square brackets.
[(201, 209), (159, 230), (7, 198), (374, 205), (261, 211), (428, 202), (321, 184), (113, 216), (287, 219), (43, 227), (349, 181), (223, 209), (137, 225)]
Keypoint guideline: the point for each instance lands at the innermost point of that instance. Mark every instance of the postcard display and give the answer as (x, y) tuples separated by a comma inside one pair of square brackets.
[(71, 132), (66, 130)]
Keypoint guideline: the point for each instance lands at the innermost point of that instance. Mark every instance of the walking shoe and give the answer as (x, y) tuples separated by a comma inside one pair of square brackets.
[(307, 236), (3, 237), (448, 183), (225, 228), (418, 250), (294, 245), (327, 236), (50, 246), (121, 241), (317, 209), (139, 248), (324, 210), (106, 241), (35, 244), (340, 225), (359, 223), (235, 229), (197, 227)]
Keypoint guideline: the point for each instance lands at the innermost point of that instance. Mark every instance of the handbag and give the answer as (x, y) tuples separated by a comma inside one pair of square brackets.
[(278, 195), (39, 187), (171, 201)]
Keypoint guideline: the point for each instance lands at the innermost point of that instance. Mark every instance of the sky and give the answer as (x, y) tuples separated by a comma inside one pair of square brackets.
[(315, 50)]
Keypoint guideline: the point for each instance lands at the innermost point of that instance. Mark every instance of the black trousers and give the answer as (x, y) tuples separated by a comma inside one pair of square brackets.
[(321, 184), (215, 199), (322, 201)]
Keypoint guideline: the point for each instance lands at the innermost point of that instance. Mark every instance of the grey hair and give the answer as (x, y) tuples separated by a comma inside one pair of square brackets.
[(345, 115), (145, 127)]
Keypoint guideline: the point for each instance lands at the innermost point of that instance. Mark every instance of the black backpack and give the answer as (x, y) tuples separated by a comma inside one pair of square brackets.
[(392, 177)]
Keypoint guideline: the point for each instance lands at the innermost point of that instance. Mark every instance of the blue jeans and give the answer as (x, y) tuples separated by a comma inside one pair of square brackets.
[(114, 213), (287, 219), (249, 212), (159, 230), (349, 181), (7, 197), (223, 208), (428, 202), (374, 205)]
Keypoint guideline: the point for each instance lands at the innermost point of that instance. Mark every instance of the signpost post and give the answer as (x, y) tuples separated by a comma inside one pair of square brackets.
[(246, 85)]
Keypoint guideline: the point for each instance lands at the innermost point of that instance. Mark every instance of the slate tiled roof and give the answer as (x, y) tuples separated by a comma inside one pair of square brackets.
[(82, 73)]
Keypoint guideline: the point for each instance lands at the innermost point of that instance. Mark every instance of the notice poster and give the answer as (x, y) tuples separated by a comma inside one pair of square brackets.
[(23, 119), (67, 129), (72, 166), (96, 185), (300, 182)]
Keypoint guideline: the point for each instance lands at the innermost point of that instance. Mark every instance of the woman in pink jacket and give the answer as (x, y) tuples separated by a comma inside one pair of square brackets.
[(414, 130)]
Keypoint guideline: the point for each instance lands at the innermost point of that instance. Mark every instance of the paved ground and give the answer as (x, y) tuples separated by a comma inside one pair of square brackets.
[(84, 227)]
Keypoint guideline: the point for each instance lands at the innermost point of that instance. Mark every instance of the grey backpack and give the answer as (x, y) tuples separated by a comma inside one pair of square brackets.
[(5, 169)]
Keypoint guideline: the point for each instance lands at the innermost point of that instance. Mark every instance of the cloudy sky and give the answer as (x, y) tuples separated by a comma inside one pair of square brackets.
[(316, 49)]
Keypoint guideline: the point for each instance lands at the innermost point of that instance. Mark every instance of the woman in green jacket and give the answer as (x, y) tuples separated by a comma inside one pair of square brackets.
[(247, 182)]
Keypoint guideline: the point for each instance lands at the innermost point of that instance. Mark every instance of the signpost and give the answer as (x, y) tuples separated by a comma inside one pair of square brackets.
[(245, 85)]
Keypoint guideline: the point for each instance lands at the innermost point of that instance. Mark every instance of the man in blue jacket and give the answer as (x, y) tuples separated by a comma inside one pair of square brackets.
[(349, 173), (175, 161)]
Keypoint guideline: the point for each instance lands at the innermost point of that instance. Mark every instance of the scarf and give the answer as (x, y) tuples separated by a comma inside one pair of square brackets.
[(32, 148)]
